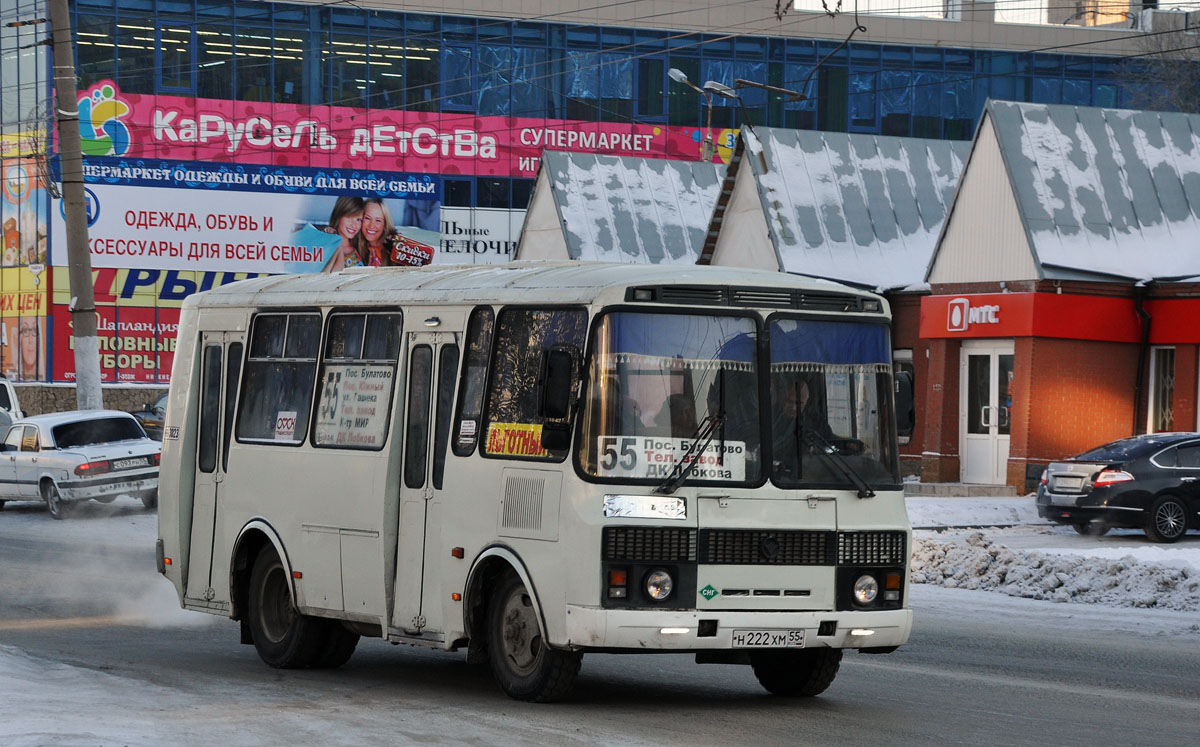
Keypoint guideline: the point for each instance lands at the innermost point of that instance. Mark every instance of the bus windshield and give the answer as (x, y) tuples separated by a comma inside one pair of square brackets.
[(830, 403), (656, 381)]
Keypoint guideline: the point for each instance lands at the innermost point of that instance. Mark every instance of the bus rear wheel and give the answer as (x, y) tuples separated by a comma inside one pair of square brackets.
[(523, 665), (284, 638), (792, 674)]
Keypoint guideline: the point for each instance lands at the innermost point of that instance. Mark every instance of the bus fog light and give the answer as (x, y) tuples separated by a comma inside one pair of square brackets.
[(659, 585), (864, 632), (891, 596), (866, 588)]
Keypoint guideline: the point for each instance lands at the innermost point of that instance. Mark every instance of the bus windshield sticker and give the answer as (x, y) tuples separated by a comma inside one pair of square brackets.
[(516, 439), (354, 405), (654, 458), (466, 428)]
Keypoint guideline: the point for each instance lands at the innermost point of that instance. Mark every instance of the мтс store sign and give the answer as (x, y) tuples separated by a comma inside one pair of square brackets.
[(961, 314)]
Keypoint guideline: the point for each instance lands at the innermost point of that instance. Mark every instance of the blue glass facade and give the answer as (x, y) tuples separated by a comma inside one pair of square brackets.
[(342, 56)]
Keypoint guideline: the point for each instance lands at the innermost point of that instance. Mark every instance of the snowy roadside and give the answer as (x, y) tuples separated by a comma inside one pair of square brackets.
[(1020, 555)]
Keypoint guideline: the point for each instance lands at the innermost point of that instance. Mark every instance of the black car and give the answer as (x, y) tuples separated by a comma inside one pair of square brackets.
[(151, 417), (1149, 482)]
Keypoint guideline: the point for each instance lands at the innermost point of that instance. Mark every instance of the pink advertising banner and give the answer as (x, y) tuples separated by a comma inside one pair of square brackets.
[(212, 130)]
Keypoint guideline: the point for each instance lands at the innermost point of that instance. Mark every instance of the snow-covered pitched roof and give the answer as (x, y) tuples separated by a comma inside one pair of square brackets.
[(1105, 191), (863, 209), (620, 208)]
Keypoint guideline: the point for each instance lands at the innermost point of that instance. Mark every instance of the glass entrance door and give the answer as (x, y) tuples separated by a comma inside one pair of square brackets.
[(985, 410)]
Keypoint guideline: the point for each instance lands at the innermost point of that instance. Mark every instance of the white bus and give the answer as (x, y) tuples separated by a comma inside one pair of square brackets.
[(539, 460)]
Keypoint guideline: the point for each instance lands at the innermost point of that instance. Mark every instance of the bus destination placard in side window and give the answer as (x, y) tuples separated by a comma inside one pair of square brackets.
[(354, 405)]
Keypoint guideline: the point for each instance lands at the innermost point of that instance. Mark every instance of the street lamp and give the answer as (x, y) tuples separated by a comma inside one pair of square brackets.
[(708, 150), (726, 92)]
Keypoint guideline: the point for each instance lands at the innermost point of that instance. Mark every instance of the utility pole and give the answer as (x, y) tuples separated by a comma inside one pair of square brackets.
[(88, 394)]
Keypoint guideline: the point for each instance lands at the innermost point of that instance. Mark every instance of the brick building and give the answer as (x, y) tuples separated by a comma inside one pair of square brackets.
[(1065, 291)]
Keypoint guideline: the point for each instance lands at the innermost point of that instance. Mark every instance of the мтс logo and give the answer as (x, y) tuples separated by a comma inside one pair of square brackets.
[(956, 315), (101, 131)]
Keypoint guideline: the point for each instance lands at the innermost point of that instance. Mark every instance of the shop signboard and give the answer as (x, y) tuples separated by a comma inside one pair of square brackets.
[(253, 132), (479, 236), (191, 216), (138, 320)]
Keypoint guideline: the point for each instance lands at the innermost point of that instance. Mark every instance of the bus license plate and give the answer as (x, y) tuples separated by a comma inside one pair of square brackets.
[(128, 463), (768, 638)]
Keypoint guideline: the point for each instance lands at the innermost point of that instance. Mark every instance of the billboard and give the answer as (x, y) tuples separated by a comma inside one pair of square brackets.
[(208, 217), (252, 132), (137, 320), (479, 236), (23, 284)]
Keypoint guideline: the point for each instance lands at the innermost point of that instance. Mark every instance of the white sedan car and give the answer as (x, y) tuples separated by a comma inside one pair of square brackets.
[(75, 456)]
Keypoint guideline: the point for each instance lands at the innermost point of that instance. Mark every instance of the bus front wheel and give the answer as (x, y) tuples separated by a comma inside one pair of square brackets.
[(802, 673), (284, 638), (523, 665)]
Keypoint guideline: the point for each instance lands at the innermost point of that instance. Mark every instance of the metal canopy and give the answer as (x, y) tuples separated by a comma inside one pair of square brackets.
[(862, 209), (1108, 192), (628, 209)]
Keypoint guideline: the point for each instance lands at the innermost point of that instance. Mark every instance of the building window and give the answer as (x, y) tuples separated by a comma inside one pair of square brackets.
[(1162, 390)]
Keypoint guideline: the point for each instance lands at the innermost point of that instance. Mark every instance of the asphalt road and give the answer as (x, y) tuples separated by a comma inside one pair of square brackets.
[(109, 663)]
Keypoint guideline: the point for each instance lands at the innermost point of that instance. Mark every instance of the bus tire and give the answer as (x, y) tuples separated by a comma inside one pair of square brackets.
[(792, 674), (523, 665), (337, 647), (284, 638)]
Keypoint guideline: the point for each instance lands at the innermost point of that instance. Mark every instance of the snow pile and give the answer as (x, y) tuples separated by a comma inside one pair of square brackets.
[(979, 563)]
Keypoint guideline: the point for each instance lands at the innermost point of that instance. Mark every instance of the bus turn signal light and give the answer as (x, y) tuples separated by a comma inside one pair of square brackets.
[(456, 552), (617, 580)]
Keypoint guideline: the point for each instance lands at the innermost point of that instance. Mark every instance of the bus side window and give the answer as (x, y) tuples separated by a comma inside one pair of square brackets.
[(447, 368), (358, 370), (233, 371), (514, 427), (416, 433), (474, 376), (210, 408), (277, 393)]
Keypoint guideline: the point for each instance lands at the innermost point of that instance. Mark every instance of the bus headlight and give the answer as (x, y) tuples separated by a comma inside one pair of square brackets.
[(866, 588), (659, 585)]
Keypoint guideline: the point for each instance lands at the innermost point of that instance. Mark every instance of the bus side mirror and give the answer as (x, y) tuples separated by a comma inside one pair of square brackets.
[(906, 415), (560, 367)]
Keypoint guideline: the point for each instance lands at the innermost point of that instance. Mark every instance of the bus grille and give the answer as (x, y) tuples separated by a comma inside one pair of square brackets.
[(649, 544), (765, 547), (871, 548)]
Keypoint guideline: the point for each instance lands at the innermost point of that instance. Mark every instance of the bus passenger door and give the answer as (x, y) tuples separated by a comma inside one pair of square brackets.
[(432, 373), (220, 367)]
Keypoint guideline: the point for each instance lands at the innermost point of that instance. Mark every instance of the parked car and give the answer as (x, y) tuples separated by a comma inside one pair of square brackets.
[(1149, 482), (151, 417), (68, 457), (10, 407)]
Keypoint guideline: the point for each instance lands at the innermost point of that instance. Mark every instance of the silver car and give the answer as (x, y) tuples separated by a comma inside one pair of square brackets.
[(68, 457)]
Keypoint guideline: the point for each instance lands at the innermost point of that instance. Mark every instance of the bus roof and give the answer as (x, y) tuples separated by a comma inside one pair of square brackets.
[(565, 282)]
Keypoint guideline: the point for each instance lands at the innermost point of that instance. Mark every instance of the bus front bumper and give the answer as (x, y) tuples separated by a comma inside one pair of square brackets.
[(691, 630)]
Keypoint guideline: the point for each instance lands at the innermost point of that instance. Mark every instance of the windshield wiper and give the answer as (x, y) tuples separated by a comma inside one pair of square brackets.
[(710, 426), (830, 452), (704, 433)]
